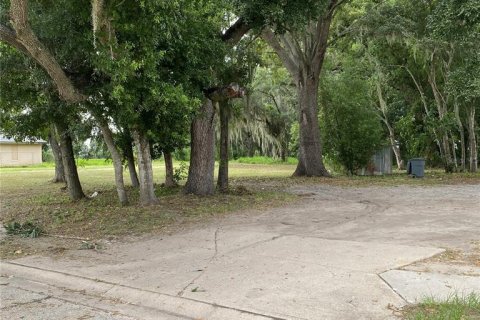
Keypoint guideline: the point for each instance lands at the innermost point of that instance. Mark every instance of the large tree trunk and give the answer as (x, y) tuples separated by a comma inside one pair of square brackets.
[(310, 160), (145, 170), (472, 141), (222, 180), (128, 154), (117, 162), (71, 174), (169, 181), (202, 160), (57, 156), (304, 63)]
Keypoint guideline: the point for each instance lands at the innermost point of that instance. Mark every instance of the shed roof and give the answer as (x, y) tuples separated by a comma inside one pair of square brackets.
[(7, 140)]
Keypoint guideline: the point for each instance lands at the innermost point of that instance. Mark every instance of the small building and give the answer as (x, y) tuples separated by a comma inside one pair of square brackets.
[(13, 153), (380, 163)]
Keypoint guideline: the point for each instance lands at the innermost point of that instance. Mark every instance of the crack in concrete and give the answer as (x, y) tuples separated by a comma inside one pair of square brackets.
[(393, 290), (216, 305), (215, 238), (17, 304)]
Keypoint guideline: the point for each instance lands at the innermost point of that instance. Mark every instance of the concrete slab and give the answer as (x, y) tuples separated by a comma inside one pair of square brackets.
[(444, 268), (166, 265), (416, 286), (118, 299), (293, 290), (10, 297), (368, 257), (54, 309), (317, 259)]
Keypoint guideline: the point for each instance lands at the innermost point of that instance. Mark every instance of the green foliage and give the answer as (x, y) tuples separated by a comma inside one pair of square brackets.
[(350, 127), (281, 14), (27, 229), (453, 308), (180, 173)]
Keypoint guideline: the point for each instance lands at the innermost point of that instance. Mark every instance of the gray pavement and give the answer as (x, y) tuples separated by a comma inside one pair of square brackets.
[(343, 253)]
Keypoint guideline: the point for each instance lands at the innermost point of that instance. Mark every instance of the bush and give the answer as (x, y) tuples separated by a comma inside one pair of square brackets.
[(351, 130)]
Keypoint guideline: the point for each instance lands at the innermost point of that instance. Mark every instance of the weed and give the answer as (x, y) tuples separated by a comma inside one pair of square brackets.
[(454, 308), (26, 229), (180, 173)]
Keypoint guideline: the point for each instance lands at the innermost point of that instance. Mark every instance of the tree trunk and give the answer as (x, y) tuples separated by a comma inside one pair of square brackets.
[(454, 152), (71, 174), (283, 153), (57, 156), (395, 147), (382, 112), (145, 170), (128, 154), (448, 160), (222, 180), (202, 160), (310, 160), (472, 141), (462, 137), (169, 181), (117, 162), (250, 146)]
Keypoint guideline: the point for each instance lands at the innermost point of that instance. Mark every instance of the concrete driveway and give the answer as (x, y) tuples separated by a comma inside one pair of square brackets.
[(342, 253)]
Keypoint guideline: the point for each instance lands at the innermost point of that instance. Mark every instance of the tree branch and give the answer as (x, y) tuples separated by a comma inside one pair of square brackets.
[(231, 91), (236, 32), (290, 64), (26, 37), (9, 36)]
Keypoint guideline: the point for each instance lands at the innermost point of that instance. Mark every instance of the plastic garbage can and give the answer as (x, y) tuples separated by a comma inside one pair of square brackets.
[(416, 167)]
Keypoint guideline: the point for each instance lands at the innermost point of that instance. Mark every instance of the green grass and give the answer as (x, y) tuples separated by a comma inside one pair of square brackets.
[(454, 308), (28, 197), (80, 163), (265, 160)]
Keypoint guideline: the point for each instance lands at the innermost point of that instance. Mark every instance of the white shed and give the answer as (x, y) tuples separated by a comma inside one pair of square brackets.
[(13, 153)]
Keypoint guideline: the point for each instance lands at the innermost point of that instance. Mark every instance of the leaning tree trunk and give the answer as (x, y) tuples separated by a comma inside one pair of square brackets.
[(310, 160), (395, 147), (145, 170), (117, 162), (128, 154), (57, 156), (71, 174), (222, 180), (202, 160), (472, 141), (169, 181)]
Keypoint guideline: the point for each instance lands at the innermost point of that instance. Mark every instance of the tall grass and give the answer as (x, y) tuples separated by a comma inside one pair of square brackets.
[(456, 307)]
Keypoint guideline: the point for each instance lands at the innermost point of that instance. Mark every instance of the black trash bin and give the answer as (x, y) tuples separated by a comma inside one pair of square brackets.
[(416, 167)]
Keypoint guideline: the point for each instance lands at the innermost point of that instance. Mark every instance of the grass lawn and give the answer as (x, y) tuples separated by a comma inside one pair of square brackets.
[(454, 308), (26, 195)]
